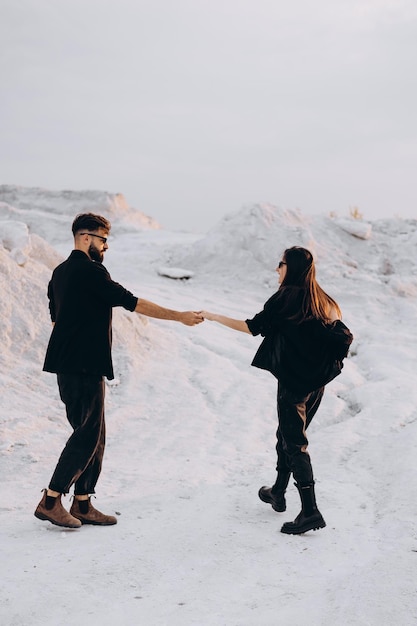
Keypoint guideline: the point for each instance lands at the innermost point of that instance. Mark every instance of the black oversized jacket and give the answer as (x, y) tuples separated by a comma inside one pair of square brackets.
[(81, 297), (302, 356)]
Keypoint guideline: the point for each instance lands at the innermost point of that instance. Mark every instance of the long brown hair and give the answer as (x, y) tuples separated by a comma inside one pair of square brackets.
[(305, 298)]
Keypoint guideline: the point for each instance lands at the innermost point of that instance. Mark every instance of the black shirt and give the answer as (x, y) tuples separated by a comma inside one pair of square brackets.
[(81, 297)]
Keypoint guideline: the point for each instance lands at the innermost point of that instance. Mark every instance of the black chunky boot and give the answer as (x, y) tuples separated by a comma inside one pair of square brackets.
[(275, 495), (309, 518)]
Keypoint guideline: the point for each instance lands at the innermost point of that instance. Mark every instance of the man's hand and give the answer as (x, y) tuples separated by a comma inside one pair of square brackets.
[(191, 318)]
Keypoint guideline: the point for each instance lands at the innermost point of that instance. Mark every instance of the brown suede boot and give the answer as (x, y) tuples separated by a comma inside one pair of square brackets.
[(84, 511), (51, 510)]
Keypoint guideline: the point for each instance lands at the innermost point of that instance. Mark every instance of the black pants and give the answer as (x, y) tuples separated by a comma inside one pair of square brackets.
[(81, 459), (295, 413)]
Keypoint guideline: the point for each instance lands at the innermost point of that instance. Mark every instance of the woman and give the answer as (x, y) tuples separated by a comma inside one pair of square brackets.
[(305, 343)]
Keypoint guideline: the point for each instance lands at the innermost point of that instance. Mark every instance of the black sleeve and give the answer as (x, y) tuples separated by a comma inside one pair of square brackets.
[(108, 290), (256, 325), (51, 298), (340, 339), (267, 320)]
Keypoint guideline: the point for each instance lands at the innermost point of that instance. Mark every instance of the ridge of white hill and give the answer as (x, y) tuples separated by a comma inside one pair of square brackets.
[(49, 213), (246, 246)]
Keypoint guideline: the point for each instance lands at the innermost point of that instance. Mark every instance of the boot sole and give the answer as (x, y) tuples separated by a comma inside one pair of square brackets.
[(85, 521), (92, 522), (45, 518), (303, 529)]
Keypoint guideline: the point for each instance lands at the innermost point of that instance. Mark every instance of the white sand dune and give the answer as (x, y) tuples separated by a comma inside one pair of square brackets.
[(191, 429)]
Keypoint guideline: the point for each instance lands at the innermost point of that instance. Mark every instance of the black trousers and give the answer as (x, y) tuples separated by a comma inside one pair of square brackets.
[(295, 413), (81, 459)]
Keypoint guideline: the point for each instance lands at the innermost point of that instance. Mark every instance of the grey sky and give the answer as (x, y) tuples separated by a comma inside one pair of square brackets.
[(191, 108)]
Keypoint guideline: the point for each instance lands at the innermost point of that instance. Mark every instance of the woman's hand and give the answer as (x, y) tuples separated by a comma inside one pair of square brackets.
[(211, 317), (230, 322)]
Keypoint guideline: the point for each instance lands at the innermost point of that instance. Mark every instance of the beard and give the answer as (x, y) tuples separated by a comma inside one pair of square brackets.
[(95, 254)]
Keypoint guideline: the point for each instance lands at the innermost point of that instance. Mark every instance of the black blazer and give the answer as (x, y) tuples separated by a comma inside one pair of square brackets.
[(81, 297), (305, 356)]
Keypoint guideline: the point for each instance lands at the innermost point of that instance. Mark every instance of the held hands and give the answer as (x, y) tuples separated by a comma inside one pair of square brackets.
[(191, 318), (230, 322)]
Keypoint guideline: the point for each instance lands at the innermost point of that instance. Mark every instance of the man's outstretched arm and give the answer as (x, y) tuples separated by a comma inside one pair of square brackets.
[(150, 309)]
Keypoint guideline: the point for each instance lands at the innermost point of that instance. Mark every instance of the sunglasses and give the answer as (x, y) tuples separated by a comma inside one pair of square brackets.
[(281, 263), (103, 239)]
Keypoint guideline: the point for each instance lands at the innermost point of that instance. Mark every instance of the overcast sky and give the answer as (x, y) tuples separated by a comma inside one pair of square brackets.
[(192, 108)]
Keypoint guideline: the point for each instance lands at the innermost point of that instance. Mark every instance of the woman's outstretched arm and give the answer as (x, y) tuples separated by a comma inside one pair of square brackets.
[(226, 321)]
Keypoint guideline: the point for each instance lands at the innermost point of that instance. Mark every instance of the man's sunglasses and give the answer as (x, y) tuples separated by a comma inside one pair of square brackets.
[(103, 239)]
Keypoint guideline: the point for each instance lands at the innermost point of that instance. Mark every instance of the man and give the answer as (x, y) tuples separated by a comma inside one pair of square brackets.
[(81, 297)]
